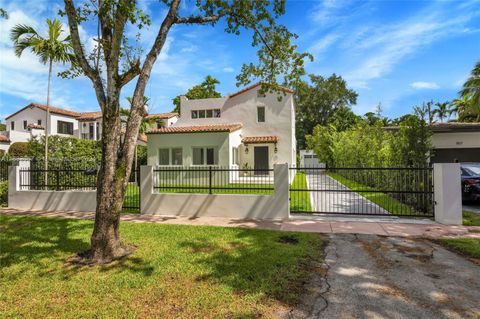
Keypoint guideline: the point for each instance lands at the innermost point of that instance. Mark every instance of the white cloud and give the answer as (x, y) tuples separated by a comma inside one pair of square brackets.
[(320, 46), (381, 49), (228, 69), (420, 85)]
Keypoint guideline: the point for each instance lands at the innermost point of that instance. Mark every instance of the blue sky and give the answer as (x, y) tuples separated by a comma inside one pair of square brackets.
[(399, 53)]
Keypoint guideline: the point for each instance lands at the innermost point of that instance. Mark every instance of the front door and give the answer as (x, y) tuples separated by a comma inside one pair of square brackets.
[(261, 160)]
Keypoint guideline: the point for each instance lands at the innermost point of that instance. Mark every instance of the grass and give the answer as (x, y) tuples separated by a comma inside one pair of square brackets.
[(300, 201), (176, 272), (233, 188), (383, 200), (469, 247), (470, 218)]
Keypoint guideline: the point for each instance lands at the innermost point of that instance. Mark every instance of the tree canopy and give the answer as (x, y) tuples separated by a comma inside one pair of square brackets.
[(318, 100)]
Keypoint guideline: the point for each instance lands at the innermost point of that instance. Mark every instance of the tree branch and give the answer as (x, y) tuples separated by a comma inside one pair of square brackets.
[(130, 74), (197, 19), (92, 74)]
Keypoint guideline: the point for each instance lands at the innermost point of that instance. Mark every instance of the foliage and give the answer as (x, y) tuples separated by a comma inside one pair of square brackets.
[(3, 127), (3, 13), (3, 193), (318, 100), (51, 49), (470, 218), (19, 149), (141, 155), (365, 145), (441, 110), (212, 272), (204, 90), (2, 153), (66, 148), (471, 88)]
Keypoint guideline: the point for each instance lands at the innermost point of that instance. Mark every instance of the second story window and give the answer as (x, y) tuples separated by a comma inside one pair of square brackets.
[(65, 127), (24, 125), (12, 125), (39, 122), (261, 114), (208, 114)]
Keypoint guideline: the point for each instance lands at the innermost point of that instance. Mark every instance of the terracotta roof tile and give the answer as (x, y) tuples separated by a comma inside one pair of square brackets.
[(260, 139), (162, 115), (35, 126), (4, 139), (197, 129), (89, 116), (54, 110), (287, 90)]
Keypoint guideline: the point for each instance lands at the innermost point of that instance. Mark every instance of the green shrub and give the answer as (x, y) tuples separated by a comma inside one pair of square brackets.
[(2, 153), (18, 149), (3, 193)]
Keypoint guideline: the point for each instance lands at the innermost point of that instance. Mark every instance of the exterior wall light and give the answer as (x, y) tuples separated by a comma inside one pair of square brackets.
[(246, 148), (275, 150)]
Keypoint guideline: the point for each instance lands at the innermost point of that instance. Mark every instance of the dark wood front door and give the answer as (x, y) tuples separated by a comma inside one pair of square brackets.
[(260, 160)]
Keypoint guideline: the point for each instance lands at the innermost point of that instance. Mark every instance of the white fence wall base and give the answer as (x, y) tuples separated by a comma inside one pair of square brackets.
[(236, 206), (80, 201)]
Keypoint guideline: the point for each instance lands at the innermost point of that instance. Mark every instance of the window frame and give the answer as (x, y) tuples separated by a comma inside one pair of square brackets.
[(12, 126), (204, 155), (192, 114), (172, 156), (258, 114), (66, 125)]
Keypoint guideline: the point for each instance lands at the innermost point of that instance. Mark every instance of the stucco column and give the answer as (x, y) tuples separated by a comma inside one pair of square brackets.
[(281, 184), (146, 187), (13, 183), (447, 193)]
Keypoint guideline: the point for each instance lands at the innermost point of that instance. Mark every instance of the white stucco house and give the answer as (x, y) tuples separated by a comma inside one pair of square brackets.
[(245, 129), (30, 121)]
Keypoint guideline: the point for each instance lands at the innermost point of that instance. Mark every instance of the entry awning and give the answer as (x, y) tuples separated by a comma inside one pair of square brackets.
[(260, 139)]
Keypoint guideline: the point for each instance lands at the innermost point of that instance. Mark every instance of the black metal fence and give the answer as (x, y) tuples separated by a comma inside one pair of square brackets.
[(4, 164), (64, 175), (213, 180), (363, 191)]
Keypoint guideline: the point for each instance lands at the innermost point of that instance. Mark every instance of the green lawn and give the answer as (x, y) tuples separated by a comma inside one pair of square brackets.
[(177, 271), (469, 247), (233, 188), (471, 219), (381, 199), (300, 201)]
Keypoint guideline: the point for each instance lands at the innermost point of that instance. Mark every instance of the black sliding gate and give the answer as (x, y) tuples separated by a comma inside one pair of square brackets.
[(362, 191), (131, 202)]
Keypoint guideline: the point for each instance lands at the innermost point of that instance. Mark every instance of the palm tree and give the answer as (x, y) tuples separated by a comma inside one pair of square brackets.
[(472, 86), (50, 49), (466, 109), (441, 110)]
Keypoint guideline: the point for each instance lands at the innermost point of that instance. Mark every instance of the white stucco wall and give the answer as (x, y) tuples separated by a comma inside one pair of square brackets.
[(241, 206), (187, 141), (31, 115), (85, 129), (242, 108), (53, 124), (456, 140)]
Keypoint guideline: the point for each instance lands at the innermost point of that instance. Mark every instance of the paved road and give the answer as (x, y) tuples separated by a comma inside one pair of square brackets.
[(333, 200), (367, 276)]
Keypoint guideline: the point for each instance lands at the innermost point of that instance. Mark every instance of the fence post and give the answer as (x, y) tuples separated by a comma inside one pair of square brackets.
[(210, 180), (282, 188), (146, 187), (13, 184), (447, 193)]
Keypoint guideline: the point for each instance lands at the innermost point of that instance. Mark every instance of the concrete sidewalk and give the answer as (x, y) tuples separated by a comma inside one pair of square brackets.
[(381, 227)]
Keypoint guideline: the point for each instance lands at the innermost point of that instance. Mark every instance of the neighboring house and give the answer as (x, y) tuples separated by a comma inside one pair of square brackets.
[(163, 119), (308, 159), (455, 142), (30, 121), (243, 129)]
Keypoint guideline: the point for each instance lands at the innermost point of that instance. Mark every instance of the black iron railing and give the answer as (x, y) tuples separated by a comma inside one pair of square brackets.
[(363, 191), (213, 180)]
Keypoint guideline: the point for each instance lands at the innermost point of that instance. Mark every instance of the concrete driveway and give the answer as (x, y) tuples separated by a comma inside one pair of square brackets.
[(335, 198), (367, 276)]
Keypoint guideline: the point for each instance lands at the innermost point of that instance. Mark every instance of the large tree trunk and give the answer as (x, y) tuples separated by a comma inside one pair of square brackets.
[(111, 185)]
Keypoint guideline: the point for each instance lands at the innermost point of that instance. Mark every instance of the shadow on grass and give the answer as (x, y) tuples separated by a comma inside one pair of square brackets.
[(47, 243), (258, 262)]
